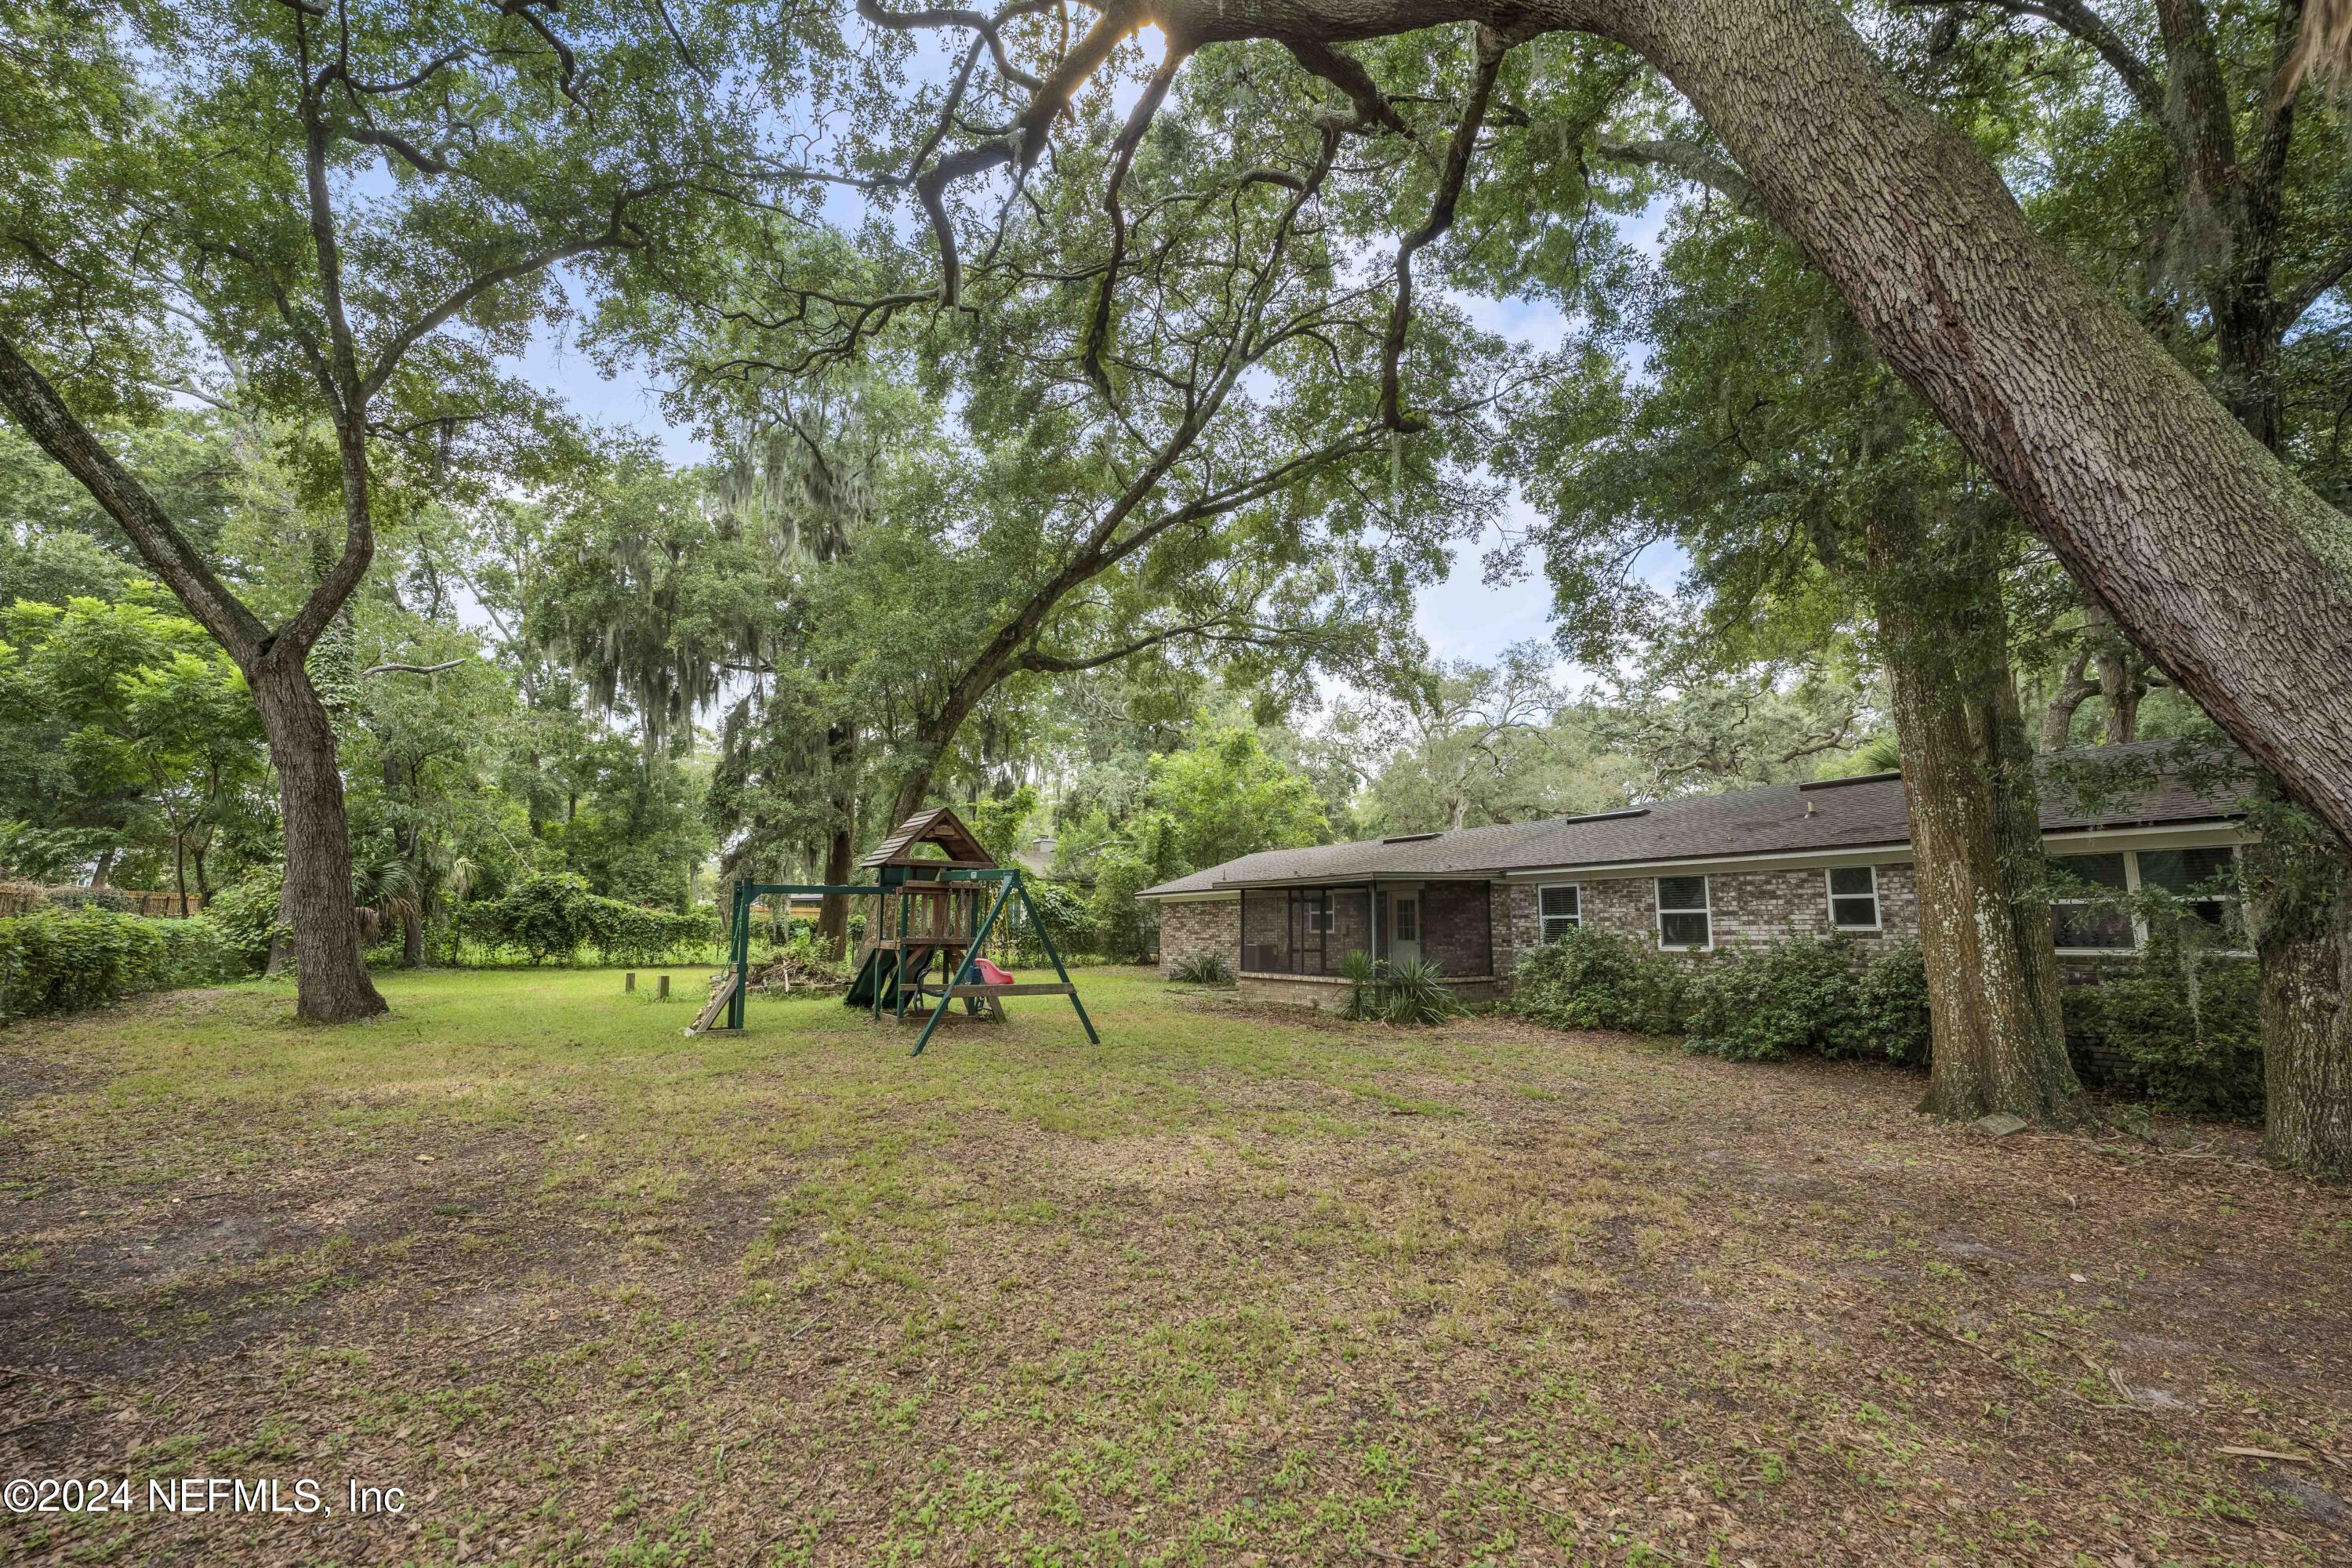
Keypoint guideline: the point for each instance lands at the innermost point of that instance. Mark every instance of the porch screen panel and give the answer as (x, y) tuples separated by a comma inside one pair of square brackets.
[(1351, 927), (1266, 945)]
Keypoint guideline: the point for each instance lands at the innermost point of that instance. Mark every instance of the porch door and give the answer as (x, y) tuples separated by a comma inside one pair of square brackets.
[(1404, 927)]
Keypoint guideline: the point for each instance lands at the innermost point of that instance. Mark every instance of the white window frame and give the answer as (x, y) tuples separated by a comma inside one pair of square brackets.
[(2232, 901), (1707, 907), (2132, 887), (1397, 902), (1543, 920), (1829, 890), (2131, 891), (1322, 914)]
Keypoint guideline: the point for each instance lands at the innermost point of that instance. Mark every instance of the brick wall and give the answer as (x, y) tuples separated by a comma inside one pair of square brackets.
[(1453, 927), (1748, 907), (1187, 927), (1770, 906)]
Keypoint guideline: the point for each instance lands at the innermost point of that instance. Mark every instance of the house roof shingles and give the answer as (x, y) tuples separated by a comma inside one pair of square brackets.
[(1846, 815)]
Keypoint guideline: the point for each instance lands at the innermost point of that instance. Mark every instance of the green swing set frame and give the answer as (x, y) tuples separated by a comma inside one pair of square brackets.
[(964, 984)]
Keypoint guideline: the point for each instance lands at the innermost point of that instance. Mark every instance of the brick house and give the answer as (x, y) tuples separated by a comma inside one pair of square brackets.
[(1694, 875)]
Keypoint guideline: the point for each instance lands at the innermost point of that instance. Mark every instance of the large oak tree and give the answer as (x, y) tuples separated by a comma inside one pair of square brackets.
[(2170, 512), (339, 216)]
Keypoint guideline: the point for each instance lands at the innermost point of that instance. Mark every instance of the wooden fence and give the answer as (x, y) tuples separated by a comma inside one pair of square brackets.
[(18, 898)]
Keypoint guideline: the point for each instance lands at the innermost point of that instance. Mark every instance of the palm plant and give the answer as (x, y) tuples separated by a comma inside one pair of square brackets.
[(385, 891)]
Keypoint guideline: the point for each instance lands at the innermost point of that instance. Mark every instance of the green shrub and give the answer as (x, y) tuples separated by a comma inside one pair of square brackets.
[(630, 933), (1889, 1020), (57, 961), (1760, 1004), (1810, 995), (1597, 980), (197, 952), (246, 915), (1757, 1004), (555, 917), (1063, 911), (2191, 1031), (1410, 990), (546, 916), (1206, 967)]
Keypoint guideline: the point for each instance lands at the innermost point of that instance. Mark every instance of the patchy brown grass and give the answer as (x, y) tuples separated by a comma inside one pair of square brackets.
[(1232, 1286)]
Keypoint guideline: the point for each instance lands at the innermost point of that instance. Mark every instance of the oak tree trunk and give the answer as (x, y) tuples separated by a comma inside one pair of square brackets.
[(331, 984), (833, 914), (1976, 830), (332, 978), (2169, 513), (2074, 689), (2307, 981), (2298, 891)]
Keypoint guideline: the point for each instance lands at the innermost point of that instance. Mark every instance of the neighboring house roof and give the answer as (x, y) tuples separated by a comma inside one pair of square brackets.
[(1778, 820)]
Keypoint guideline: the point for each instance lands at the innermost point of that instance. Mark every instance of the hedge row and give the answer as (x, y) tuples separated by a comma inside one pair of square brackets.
[(1805, 995), (2190, 1032), (60, 959), (558, 918)]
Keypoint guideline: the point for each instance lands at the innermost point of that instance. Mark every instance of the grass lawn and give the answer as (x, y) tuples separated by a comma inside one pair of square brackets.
[(1232, 1286)]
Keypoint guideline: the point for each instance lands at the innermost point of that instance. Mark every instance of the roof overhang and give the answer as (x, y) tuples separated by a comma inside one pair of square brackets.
[(2089, 839)]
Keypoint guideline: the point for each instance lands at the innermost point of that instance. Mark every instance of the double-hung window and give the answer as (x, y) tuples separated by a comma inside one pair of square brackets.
[(1560, 908), (2204, 880), (1685, 920), (1319, 912), (2096, 904), (2088, 908), (1853, 898)]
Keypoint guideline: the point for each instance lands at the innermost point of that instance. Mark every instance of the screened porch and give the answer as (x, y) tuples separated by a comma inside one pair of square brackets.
[(1311, 931)]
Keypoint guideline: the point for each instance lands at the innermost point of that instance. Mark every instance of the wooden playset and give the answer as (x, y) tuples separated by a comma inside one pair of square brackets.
[(939, 896)]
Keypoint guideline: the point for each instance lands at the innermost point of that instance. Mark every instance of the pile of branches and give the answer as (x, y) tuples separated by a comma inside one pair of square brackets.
[(796, 969)]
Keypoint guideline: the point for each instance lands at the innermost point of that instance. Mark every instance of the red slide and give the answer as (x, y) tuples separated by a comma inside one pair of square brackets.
[(989, 974)]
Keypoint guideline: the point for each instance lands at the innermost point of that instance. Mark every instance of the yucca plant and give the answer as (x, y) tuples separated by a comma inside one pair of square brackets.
[(1204, 968), (1413, 991), (1362, 972)]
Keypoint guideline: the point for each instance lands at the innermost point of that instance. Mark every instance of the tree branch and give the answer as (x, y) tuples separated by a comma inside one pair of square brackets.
[(1692, 161), (2076, 18), (1122, 156), (35, 405), (441, 314), (1348, 74), (412, 668), (1491, 48), (2300, 299)]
